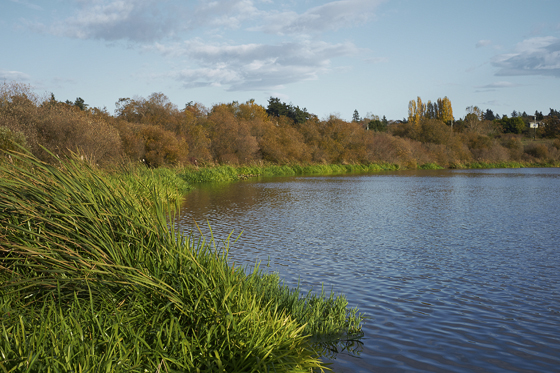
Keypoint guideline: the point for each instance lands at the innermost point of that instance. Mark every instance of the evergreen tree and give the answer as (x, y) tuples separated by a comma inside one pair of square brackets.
[(539, 115), (277, 108), (80, 103), (489, 115)]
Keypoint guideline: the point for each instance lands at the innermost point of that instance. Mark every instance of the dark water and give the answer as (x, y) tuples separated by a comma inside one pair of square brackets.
[(458, 270)]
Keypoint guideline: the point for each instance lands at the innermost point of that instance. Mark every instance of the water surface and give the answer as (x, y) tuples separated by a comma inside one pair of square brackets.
[(457, 269)]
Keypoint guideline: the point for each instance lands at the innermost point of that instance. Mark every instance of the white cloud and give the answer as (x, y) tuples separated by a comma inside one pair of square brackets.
[(496, 85), (483, 43), (135, 20), (13, 75), (374, 60), (330, 16), (147, 21), (27, 4), (225, 13), (254, 66), (535, 56)]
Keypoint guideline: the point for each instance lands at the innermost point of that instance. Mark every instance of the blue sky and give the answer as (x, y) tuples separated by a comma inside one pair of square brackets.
[(330, 57)]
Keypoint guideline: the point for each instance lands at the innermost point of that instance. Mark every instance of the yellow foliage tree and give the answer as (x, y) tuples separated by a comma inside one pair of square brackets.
[(416, 111), (445, 111)]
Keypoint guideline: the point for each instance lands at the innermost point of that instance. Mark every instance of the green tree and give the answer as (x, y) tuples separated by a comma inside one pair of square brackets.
[(377, 125), (539, 115), (489, 115), (356, 116), (277, 108), (512, 125), (79, 103), (551, 127)]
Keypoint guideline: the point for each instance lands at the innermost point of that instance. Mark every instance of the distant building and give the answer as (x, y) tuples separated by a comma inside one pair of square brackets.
[(533, 122)]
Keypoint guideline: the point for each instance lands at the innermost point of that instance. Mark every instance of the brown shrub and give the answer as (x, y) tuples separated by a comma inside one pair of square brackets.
[(19, 111), (435, 132), (162, 147), (11, 140), (539, 151), (198, 143), (64, 129), (132, 142), (283, 144), (514, 146), (231, 139)]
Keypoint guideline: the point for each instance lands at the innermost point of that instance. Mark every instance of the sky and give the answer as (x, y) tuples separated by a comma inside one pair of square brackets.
[(330, 57)]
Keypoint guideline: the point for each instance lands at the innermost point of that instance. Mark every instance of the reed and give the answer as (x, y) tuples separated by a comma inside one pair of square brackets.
[(209, 174), (93, 278), (144, 183), (230, 173)]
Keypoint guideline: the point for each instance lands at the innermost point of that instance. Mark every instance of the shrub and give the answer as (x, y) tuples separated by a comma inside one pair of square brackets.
[(514, 146), (539, 151), (162, 147), (19, 111), (9, 140), (64, 129)]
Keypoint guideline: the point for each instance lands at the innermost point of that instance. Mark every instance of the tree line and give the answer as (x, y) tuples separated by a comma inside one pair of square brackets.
[(157, 132)]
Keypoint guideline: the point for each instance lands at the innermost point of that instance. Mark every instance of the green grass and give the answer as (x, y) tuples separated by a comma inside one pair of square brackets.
[(145, 183), (94, 279), (431, 166), (512, 164), (230, 173)]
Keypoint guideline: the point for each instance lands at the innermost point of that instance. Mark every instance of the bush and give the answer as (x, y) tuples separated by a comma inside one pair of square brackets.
[(539, 151), (514, 146), (162, 147), (9, 140), (19, 111), (65, 129)]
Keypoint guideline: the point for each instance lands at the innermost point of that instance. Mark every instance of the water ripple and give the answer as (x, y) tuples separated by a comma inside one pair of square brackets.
[(457, 270)]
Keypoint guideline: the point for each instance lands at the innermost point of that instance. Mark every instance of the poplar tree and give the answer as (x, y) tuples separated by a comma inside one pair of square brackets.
[(445, 111), (416, 111), (440, 110)]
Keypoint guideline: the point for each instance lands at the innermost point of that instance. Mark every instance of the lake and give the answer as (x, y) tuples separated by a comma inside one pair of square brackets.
[(457, 270)]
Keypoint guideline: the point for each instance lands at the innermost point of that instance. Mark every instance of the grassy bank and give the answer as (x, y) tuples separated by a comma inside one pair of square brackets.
[(511, 164), (230, 173), (93, 279)]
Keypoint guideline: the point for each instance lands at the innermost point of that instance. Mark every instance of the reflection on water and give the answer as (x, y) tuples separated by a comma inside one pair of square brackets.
[(458, 270)]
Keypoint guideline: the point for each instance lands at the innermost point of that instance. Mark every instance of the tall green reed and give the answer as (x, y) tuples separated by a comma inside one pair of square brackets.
[(94, 279)]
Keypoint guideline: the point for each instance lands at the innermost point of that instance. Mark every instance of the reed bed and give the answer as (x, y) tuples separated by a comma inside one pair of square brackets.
[(93, 278), (231, 173), (141, 181)]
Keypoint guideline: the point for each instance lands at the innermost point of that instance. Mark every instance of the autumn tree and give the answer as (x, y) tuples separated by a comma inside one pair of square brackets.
[(440, 110), (416, 110), (444, 110), (162, 147), (283, 143), (155, 110), (231, 139)]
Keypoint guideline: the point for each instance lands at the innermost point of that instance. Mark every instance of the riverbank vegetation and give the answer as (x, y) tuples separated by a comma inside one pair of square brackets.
[(93, 274), (94, 278), (155, 132)]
